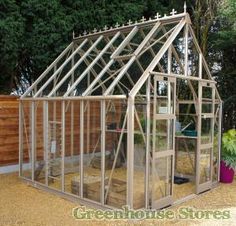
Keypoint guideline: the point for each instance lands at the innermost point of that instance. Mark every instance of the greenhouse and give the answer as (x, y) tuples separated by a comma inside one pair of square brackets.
[(128, 115)]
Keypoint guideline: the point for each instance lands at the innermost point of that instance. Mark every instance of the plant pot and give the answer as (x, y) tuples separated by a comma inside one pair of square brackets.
[(226, 173)]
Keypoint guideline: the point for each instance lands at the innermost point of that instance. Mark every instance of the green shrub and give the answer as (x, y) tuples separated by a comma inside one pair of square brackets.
[(229, 148)]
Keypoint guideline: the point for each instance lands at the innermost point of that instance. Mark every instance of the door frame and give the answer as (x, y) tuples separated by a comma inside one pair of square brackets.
[(202, 187), (167, 200)]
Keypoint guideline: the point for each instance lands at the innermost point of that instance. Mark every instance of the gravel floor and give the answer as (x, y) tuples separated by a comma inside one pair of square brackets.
[(23, 205)]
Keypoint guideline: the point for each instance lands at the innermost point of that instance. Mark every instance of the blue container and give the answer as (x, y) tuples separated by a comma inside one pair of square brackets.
[(190, 133)]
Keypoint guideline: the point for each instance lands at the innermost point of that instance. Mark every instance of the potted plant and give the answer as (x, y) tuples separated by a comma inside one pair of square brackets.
[(228, 162)]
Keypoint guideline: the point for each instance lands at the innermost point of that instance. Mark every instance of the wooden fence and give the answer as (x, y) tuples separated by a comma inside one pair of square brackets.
[(9, 134), (9, 130)]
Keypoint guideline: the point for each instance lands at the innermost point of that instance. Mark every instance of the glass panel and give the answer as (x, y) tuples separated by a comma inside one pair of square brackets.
[(162, 97), (26, 139), (92, 150), (164, 135), (140, 153), (185, 155), (162, 106), (54, 144), (39, 174), (162, 177), (206, 133), (207, 92), (207, 108), (205, 165), (72, 147), (116, 153), (164, 91)]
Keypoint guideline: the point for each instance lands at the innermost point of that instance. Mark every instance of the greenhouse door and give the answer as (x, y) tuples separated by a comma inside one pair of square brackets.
[(204, 161), (163, 141)]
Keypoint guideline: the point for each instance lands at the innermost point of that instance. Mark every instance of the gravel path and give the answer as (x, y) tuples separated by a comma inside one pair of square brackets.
[(23, 205)]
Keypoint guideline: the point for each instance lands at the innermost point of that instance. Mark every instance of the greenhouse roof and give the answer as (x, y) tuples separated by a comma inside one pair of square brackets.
[(117, 61)]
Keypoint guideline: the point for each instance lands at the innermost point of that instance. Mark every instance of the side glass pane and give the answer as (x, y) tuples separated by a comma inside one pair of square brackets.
[(26, 139), (116, 153), (39, 172), (92, 151), (72, 150), (54, 141)]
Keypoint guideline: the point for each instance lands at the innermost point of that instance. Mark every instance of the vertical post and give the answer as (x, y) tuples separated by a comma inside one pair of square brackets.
[(81, 147), (20, 137), (32, 113), (148, 134), (88, 120), (103, 140), (72, 110), (186, 50), (169, 121), (45, 139), (154, 110), (173, 135), (130, 152), (63, 108), (212, 131), (199, 126), (219, 139), (168, 134), (169, 95)]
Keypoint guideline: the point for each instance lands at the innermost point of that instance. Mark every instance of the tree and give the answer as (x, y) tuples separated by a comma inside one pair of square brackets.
[(224, 45), (48, 30), (11, 35)]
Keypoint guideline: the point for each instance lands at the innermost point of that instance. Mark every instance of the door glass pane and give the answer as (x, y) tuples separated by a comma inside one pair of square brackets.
[(205, 166), (164, 135), (165, 97), (206, 133), (207, 107), (162, 175)]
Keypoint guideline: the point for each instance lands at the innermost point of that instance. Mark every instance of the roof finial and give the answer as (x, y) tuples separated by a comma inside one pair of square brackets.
[(173, 12), (143, 19), (157, 16), (185, 7), (117, 25), (73, 34), (129, 22), (105, 28)]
